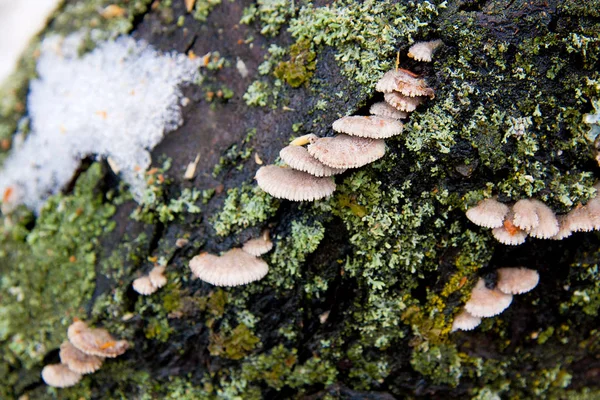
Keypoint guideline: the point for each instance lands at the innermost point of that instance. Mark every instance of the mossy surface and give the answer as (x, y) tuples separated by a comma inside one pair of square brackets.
[(363, 286)]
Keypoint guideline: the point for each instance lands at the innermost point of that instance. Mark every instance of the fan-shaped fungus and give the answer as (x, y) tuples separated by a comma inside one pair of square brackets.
[(143, 285), (405, 83), (465, 322), (486, 302), (290, 184), (517, 280), (299, 159), (78, 361), (383, 109), (60, 376), (423, 51), (343, 151), (489, 213), (259, 246), (95, 341), (368, 127), (508, 233), (157, 276), (403, 103), (233, 268)]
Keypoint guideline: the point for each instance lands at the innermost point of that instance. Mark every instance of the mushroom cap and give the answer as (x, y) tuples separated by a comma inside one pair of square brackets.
[(401, 102), (423, 51), (517, 280), (157, 276), (401, 81), (143, 285), (233, 268), (486, 302), (259, 246), (564, 228), (299, 159), (60, 376), (77, 360), (489, 213), (343, 151), (548, 225), (510, 236), (525, 214), (95, 341), (368, 127), (383, 109), (464, 321), (290, 184), (579, 220)]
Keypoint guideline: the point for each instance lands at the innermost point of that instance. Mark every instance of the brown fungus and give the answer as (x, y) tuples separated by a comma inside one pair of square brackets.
[(486, 302), (298, 158), (290, 184), (60, 376), (233, 268), (423, 51), (517, 280), (77, 360), (383, 109), (95, 341), (343, 151), (259, 246), (368, 127)]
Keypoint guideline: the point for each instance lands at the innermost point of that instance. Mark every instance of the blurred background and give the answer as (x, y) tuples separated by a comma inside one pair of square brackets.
[(20, 20)]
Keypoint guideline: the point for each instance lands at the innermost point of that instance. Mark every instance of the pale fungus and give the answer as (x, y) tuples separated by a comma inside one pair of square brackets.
[(78, 361), (60, 376), (259, 246), (486, 302), (423, 51), (564, 228), (383, 109), (464, 321), (548, 224), (95, 341), (298, 158), (489, 213), (143, 285), (403, 103), (517, 280), (525, 214), (343, 151), (509, 233), (290, 184), (368, 127), (233, 268), (157, 276), (403, 82)]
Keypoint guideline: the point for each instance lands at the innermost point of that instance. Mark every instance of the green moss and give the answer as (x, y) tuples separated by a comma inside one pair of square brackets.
[(233, 345), (439, 363), (236, 154), (203, 8), (272, 14), (300, 67), (48, 275)]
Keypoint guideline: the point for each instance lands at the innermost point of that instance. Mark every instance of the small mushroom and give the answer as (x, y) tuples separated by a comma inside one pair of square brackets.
[(95, 341), (423, 51), (464, 321), (517, 280), (548, 225), (299, 159), (290, 184), (564, 228), (403, 103), (509, 233), (157, 276), (78, 361), (486, 302), (233, 268), (489, 213), (525, 214), (343, 151), (60, 376), (368, 127), (383, 109), (143, 285), (259, 246), (403, 82)]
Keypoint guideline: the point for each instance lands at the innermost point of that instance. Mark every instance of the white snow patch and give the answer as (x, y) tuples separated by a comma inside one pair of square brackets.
[(118, 101)]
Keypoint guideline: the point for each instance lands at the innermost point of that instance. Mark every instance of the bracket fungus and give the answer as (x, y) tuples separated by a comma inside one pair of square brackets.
[(368, 127), (290, 184), (157, 276), (95, 341), (298, 158), (383, 109), (60, 376), (403, 82), (423, 51), (343, 151), (517, 280), (403, 103), (536, 218), (486, 302), (143, 285), (77, 361), (464, 321), (259, 246), (235, 267), (489, 213)]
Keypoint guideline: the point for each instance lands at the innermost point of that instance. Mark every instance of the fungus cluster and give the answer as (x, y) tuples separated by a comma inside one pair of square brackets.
[(236, 266), (487, 302), (512, 223), (83, 353), (150, 283), (359, 140)]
